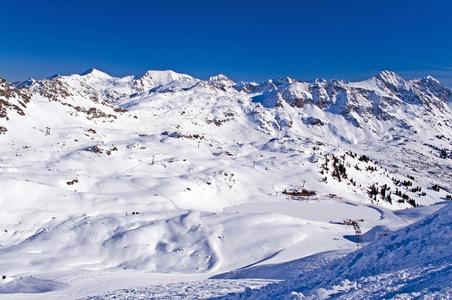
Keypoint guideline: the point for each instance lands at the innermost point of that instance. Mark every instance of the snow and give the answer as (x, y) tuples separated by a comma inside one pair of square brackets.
[(310, 210), (93, 73), (167, 186), (221, 79), (411, 263)]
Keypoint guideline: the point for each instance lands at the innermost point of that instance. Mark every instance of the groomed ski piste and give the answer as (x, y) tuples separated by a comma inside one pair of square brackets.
[(166, 186)]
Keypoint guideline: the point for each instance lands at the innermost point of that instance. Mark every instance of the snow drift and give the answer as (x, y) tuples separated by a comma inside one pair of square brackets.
[(411, 263)]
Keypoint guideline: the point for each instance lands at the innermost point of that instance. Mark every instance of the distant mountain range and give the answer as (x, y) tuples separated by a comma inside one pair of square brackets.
[(385, 102)]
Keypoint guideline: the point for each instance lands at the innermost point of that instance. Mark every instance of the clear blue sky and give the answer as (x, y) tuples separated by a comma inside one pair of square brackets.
[(246, 40)]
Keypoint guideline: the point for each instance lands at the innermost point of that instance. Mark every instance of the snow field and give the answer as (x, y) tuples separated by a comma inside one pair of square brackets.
[(188, 184)]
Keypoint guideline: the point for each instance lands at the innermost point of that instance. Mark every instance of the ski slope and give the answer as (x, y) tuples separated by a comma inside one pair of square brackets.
[(163, 185)]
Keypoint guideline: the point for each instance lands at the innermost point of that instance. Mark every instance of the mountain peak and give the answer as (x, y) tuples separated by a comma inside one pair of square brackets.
[(152, 79), (221, 79), (27, 82), (54, 76), (155, 74), (280, 82), (390, 77), (95, 72), (390, 80), (431, 80)]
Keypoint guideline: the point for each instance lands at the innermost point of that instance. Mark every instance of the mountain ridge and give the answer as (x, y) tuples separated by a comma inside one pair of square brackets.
[(386, 99)]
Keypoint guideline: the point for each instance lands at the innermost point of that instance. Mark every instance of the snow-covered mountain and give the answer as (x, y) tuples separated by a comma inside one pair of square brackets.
[(345, 115), (166, 173), (382, 104), (374, 104)]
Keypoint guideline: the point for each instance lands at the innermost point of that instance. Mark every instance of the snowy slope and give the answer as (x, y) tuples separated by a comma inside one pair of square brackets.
[(166, 173), (411, 263)]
